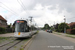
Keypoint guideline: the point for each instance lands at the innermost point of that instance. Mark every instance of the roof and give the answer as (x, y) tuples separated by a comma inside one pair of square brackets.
[(2, 18)]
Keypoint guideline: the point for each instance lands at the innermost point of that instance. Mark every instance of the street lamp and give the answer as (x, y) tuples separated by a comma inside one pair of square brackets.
[(64, 24)]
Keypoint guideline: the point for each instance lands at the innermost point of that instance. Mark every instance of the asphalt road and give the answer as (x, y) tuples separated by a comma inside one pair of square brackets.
[(48, 41)]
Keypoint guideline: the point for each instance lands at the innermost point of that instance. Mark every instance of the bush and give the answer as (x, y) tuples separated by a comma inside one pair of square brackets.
[(56, 30), (8, 30), (61, 27), (70, 31), (2, 30), (73, 28)]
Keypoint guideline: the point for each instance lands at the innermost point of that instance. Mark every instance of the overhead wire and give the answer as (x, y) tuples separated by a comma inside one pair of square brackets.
[(35, 22), (8, 8), (23, 6), (9, 11)]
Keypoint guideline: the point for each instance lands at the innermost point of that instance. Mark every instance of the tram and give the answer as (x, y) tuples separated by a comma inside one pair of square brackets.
[(22, 29)]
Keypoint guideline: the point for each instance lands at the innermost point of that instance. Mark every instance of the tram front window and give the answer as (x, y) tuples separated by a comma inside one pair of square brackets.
[(20, 27)]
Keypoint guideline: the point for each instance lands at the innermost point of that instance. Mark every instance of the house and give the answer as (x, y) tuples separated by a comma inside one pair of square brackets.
[(3, 22), (72, 25)]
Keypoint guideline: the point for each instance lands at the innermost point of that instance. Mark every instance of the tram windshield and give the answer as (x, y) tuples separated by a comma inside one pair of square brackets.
[(20, 27)]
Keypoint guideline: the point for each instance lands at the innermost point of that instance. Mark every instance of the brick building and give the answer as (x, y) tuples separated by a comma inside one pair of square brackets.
[(3, 22)]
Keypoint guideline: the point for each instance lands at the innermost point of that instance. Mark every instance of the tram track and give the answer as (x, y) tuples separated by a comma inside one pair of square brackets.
[(9, 45), (14, 45)]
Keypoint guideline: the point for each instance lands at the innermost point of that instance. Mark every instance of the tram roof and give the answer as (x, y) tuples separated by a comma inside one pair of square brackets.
[(22, 20)]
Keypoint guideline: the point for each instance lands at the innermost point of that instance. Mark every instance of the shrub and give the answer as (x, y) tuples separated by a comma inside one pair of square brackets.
[(73, 28), (61, 27), (70, 31), (2, 30), (8, 30)]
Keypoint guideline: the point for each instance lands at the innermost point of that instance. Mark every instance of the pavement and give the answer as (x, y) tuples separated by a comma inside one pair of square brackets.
[(49, 41), (7, 35)]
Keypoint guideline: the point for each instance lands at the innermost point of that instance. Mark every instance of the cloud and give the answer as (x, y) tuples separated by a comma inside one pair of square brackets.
[(43, 11), (46, 15)]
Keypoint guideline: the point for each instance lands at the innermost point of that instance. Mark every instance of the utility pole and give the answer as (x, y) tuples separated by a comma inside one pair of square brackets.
[(31, 21), (54, 25), (30, 18), (64, 24)]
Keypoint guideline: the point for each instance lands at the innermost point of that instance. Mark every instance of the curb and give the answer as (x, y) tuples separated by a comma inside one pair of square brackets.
[(27, 42)]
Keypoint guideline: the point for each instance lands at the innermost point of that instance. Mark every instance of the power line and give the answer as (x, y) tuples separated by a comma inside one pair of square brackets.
[(9, 11), (31, 18), (8, 8), (22, 5), (35, 23)]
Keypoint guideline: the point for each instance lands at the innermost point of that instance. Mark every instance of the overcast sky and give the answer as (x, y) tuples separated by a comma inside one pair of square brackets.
[(42, 11)]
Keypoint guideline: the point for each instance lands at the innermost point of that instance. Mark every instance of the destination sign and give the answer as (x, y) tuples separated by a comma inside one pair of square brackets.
[(20, 21)]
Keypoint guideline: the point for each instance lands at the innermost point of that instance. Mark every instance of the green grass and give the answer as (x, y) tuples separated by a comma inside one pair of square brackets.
[(67, 35), (21, 49), (21, 45), (26, 39), (70, 36), (58, 33), (54, 33), (15, 46), (3, 39)]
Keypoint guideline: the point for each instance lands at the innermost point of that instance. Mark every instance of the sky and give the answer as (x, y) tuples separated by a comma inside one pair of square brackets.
[(42, 11)]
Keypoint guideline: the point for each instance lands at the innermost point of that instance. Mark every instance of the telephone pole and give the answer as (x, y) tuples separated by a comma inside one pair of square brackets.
[(31, 21), (31, 18), (54, 25), (64, 24)]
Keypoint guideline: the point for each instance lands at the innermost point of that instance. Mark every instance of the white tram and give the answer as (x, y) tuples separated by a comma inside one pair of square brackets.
[(22, 29)]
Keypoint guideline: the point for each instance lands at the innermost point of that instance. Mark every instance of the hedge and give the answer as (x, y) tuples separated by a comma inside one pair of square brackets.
[(70, 31), (2, 30)]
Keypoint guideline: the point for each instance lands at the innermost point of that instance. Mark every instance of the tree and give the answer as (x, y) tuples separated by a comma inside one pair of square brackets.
[(56, 27), (8, 26), (61, 27), (46, 26), (52, 28)]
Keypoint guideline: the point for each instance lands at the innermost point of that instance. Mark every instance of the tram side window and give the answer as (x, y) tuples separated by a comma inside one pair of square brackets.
[(27, 29)]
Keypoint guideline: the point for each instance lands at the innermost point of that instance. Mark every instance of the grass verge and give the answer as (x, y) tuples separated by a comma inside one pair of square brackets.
[(67, 35), (2, 39), (57, 33), (70, 36)]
